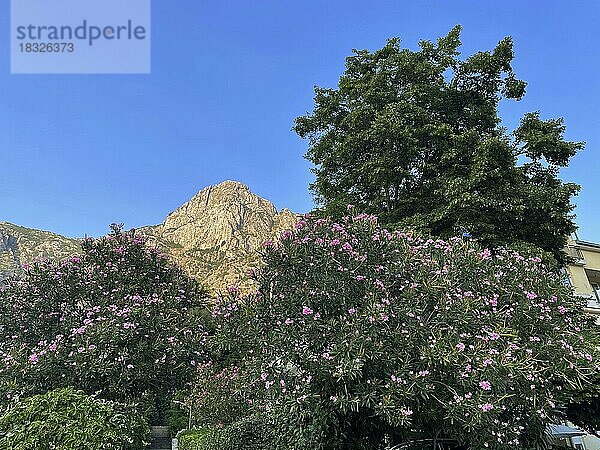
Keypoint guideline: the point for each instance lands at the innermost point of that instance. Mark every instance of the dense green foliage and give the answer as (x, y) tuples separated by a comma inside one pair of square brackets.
[(358, 335), (218, 397), (119, 320), (70, 420), (585, 408), (193, 439), (249, 433), (415, 137)]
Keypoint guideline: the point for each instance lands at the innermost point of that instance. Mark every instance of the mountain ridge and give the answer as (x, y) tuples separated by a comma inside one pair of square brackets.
[(20, 245), (215, 236)]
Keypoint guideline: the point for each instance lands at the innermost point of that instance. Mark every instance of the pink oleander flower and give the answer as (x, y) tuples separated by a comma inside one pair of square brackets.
[(79, 330), (487, 407), (485, 254), (460, 346), (485, 385), (406, 411), (337, 228), (307, 311)]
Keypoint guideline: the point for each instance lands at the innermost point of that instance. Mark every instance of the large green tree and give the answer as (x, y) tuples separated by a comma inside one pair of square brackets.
[(415, 137)]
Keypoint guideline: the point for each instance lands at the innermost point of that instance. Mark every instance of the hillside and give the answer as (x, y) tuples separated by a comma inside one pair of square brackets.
[(19, 245)]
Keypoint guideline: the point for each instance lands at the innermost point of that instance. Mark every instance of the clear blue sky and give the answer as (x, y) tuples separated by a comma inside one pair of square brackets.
[(228, 78)]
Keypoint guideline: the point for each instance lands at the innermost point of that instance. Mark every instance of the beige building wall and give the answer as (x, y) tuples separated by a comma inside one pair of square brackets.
[(579, 280), (584, 271), (584, 274), (591, 442)]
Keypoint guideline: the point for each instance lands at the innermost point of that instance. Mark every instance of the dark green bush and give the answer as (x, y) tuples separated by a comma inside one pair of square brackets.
[(177, 419), (66, 419), (249, 433), (194, 439)]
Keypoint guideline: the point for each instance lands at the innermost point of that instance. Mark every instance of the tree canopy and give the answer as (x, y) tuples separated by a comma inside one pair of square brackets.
[(416, 137)]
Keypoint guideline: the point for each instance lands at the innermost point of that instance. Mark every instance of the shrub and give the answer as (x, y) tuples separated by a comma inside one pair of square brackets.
[(66, 419), (252, 432), (358, 336), (194, 439), (249, 433), (119, 320)]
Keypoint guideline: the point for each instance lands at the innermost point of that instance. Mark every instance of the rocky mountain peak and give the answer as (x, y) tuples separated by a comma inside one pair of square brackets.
[(227, 216), (218, 195), (217, 234)]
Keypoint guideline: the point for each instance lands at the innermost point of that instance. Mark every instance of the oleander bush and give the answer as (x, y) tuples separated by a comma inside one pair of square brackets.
[(358, 337), (66, 419), (119, 320), (218, 397)]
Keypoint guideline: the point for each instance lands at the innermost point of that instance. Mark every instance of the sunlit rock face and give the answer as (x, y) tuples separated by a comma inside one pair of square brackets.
[(218, 234)]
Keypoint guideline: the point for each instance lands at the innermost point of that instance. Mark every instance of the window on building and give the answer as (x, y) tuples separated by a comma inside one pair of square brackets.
[(566, 278)]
